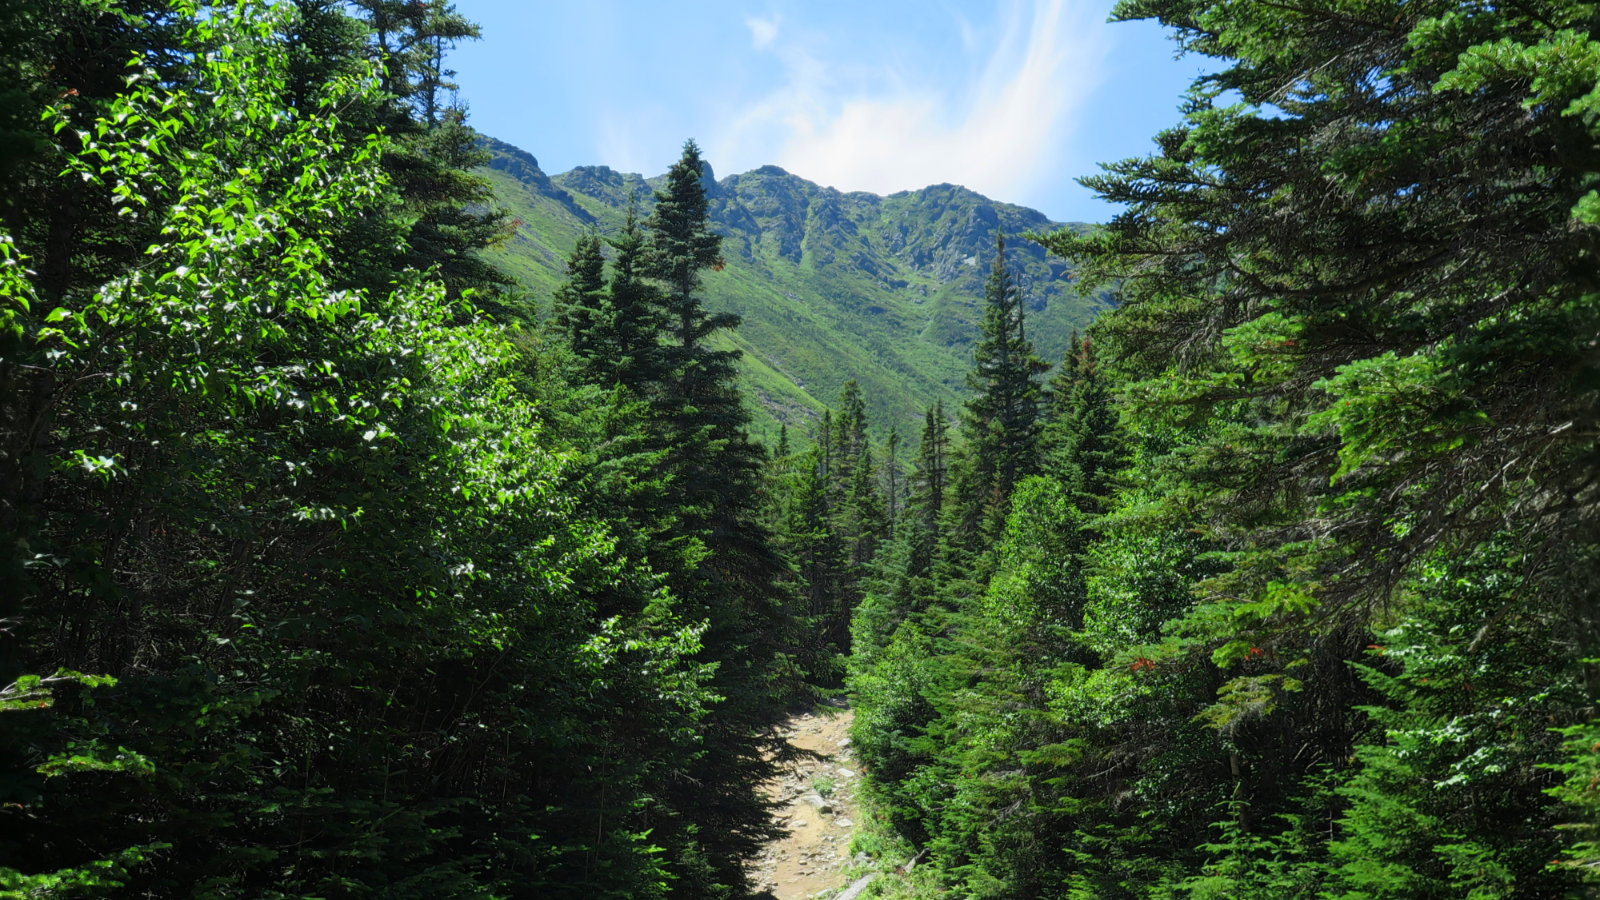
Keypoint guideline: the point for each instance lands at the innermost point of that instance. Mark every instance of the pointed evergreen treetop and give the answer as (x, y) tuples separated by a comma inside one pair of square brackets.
[(636, 308), (1001, 422), (579, 303), (681, 240)]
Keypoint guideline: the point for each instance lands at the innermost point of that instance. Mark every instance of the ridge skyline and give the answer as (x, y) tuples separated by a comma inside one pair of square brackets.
[(832, 286)]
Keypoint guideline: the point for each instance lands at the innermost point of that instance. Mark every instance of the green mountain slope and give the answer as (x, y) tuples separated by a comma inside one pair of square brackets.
[(831, 286)]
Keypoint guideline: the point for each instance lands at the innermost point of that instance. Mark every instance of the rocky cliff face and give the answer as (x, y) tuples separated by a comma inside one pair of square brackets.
[(831, 285), (524, 168)]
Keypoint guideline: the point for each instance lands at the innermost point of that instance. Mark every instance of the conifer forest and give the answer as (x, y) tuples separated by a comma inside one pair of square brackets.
[(339, 561)]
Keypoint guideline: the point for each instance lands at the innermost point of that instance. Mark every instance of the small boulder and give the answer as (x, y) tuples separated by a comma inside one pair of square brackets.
[(822, 806)]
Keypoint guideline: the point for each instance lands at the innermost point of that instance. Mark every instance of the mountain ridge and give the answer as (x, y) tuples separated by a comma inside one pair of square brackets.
[(830, 285)]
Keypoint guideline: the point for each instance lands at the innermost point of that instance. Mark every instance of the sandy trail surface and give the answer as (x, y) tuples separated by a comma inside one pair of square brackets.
[(818, 809)]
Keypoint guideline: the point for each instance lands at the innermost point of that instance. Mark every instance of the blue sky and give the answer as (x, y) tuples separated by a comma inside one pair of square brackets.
[(1012, 98)]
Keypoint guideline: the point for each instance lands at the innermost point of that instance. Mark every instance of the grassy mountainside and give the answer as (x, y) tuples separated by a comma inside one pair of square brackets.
[(831, 286)]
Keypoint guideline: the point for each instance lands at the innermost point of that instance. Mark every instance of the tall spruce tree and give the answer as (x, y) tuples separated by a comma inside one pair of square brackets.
[(903, 579), (926, 500), (857, 505), (850, 435), (1079, 442), (695, 393), (579, 307), (893, 478), (725, 569), (836, 520), (633, 329), (1383, 366), (810, 539), (1001, 421)]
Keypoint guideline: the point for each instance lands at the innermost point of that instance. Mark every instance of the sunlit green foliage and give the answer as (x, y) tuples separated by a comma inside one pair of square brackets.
[(348, 628), (1332, 464)]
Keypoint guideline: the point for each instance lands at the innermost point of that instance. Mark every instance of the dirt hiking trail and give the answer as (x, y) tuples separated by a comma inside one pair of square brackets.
[(817, 806)]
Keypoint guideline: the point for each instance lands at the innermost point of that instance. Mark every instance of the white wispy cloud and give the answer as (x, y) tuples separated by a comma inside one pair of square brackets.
[(762, 31), (969, 35), (870, 124)]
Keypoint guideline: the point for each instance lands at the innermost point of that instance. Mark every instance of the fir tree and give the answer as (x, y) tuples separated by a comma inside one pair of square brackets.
[(681, 247), (864, 522), (850, 437), (1001, 421), (925, 503), (633, 328), (810, 539), (714, 464), (725, 570), (892, 477), (579, 312), (837, 519), (1080, 444)]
